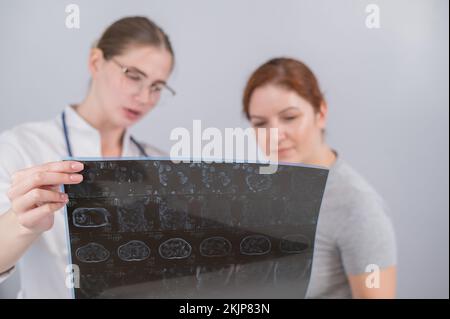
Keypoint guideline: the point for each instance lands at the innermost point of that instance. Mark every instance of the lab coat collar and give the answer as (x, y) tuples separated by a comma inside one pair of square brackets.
[(85, 139), (74, 120)]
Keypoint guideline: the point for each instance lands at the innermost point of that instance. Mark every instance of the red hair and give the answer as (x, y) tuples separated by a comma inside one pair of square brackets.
[(287, 73)]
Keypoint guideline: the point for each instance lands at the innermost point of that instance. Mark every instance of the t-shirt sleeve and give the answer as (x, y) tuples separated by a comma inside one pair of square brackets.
[(367, 236)]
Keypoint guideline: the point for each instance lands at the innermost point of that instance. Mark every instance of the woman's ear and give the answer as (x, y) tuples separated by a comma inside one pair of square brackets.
[(322, 115), (95, 61)]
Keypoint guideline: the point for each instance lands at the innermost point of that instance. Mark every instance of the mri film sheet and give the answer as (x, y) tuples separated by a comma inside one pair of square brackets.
[(157, 229)]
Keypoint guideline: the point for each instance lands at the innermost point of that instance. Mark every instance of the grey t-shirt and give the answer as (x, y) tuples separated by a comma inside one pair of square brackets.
[(353, 232)]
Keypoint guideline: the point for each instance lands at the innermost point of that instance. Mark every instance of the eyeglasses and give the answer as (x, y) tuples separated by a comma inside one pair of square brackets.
[(134, 81)]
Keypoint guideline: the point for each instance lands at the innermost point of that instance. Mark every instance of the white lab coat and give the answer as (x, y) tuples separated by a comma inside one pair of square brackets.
[(42, 268)]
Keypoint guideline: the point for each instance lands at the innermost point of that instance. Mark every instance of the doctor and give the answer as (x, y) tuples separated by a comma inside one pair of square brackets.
[(129, 68)]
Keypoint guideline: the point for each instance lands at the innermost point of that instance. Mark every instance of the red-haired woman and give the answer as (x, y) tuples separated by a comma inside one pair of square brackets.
[(354, 234)]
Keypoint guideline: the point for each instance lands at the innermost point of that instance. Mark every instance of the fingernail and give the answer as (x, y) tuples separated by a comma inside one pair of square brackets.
[(76, 177), (77, 166), (63, 196)]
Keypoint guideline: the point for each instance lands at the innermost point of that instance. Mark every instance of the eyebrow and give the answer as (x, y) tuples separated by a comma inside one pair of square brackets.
[(288, 109), (133, 68), (281, 112)]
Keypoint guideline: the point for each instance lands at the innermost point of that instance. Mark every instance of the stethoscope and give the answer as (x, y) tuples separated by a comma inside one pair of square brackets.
[(69, 148)]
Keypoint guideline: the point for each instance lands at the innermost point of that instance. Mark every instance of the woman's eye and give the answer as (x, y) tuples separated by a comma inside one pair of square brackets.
[(133, 77), (259, 124), (157, 89), (290, 118)]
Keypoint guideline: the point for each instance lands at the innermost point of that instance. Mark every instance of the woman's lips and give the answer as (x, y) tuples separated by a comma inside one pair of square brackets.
[(131, 114)]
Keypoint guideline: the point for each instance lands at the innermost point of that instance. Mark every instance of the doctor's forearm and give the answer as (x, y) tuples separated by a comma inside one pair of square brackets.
[(14, 240)]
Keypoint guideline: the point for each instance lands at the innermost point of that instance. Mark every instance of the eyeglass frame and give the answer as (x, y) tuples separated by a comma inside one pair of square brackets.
[(126, 69)]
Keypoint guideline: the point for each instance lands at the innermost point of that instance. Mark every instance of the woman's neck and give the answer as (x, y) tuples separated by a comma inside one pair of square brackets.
[(324, 156), (111, 136)]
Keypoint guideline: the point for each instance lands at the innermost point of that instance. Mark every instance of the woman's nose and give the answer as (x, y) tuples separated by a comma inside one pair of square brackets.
[(281, 133), (276, 133), (144, 97)]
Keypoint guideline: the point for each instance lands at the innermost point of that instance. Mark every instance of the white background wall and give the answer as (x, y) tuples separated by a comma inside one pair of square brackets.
[(387, 90)]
